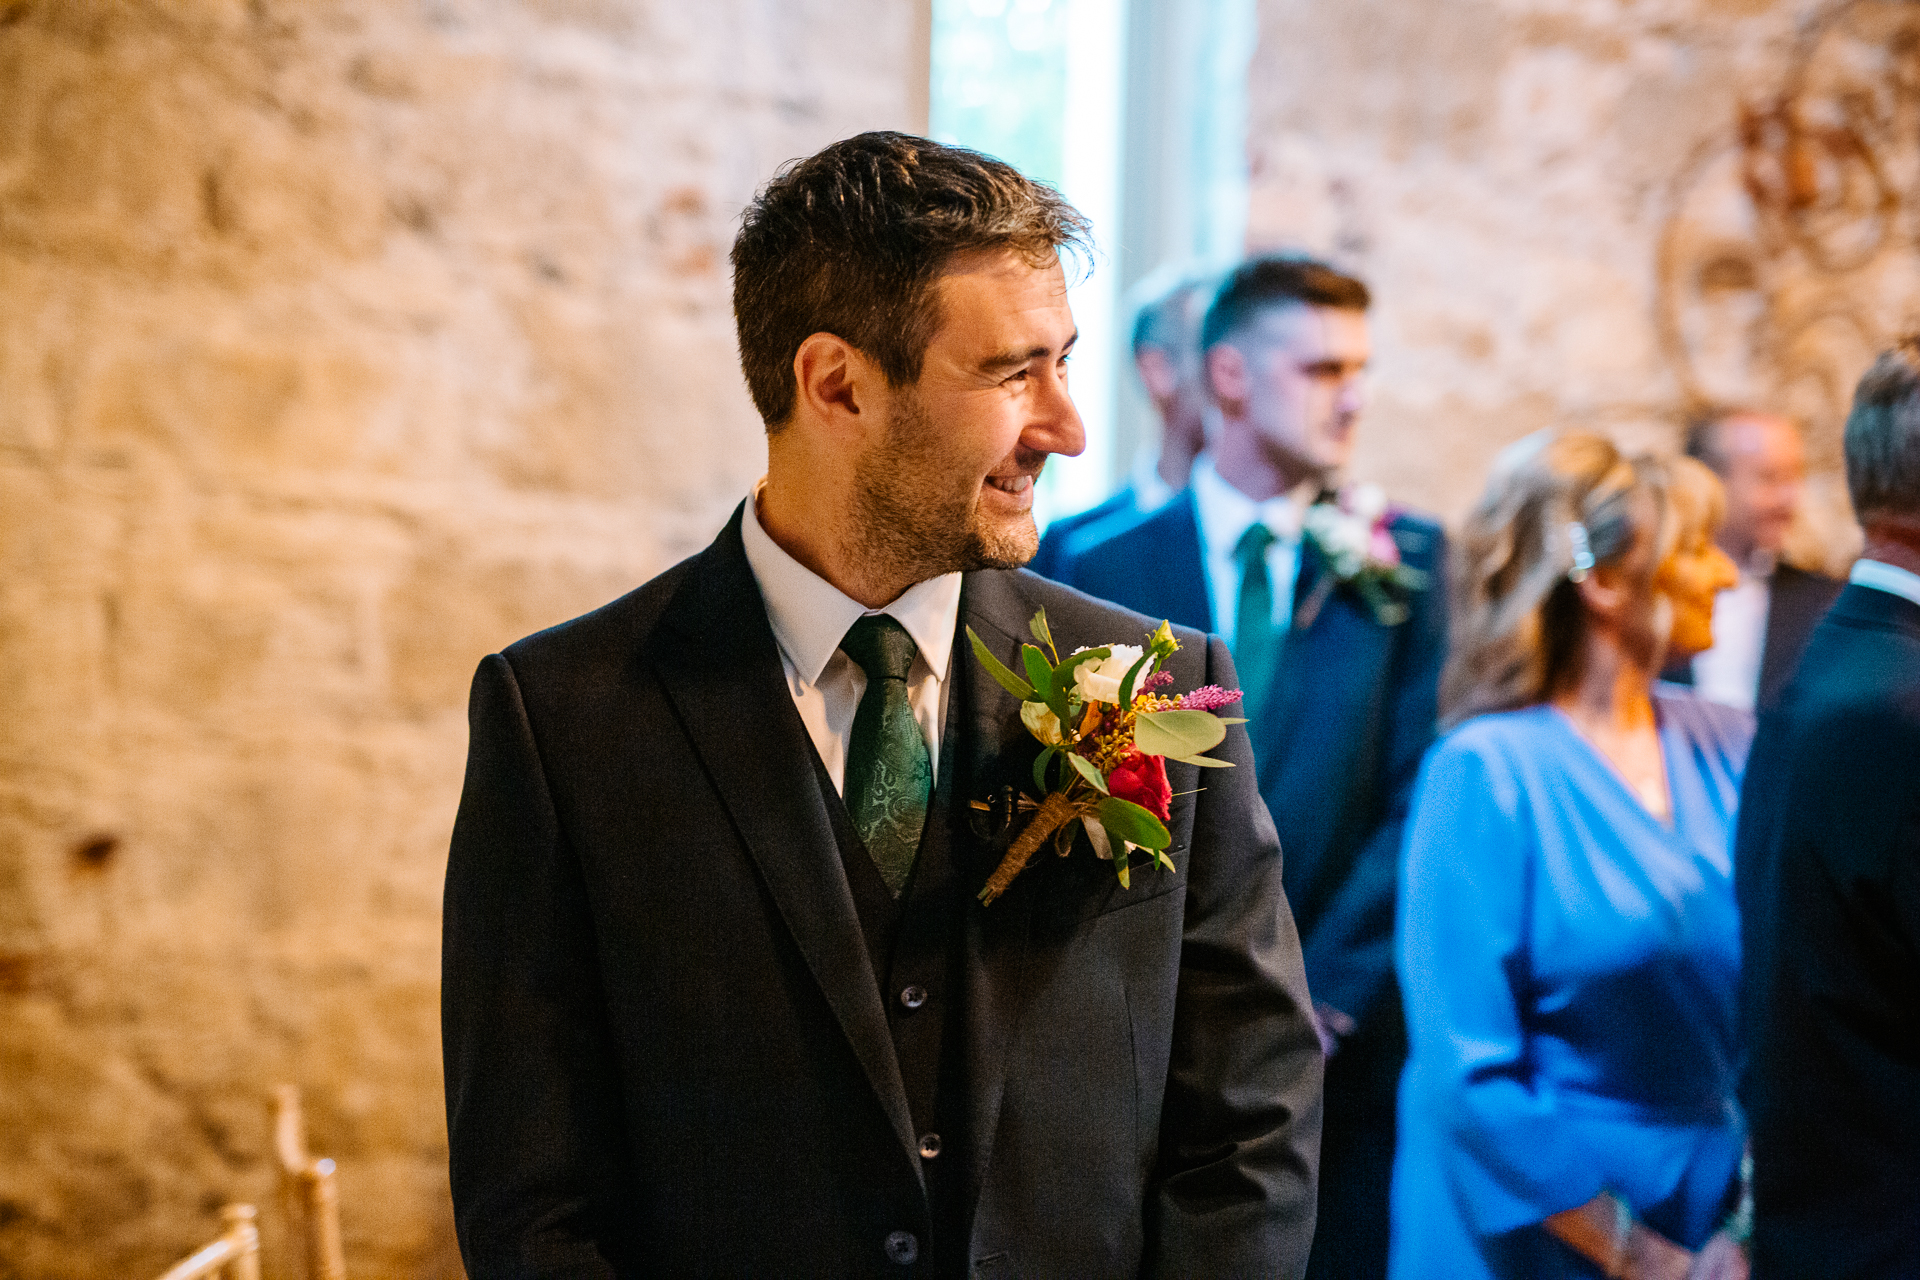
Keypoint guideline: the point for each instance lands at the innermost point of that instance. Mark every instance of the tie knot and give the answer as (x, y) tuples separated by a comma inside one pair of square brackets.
[(880, 647), (1253, 544)]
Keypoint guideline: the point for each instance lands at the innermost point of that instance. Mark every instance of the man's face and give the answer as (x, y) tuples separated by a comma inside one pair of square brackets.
[(1765, 471), (1304, 387), (949, 483)]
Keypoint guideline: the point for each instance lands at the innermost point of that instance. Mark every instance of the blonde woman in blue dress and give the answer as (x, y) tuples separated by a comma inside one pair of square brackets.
[(1568, 941)]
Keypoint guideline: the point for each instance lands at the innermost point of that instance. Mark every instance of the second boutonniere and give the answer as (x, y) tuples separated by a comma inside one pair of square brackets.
[(1106, 732), (1355, 538)]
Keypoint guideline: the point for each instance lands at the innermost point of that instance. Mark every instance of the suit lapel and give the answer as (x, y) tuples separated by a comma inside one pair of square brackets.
[(723, 673), (1340, 646), (994, 752), (1183, 569)]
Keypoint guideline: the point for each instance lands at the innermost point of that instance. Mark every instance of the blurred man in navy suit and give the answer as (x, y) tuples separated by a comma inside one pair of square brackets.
[(1761, 624), (1340, 681), (1827, 867), (1166, 355)]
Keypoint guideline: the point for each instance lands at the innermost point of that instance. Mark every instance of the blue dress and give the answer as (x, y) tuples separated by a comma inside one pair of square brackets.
[(1571, 972)]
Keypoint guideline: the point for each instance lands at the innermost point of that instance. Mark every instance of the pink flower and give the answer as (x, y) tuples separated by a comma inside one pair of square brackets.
[(1142, 779), (1381, 548), (1158, 680), (1209, 697)]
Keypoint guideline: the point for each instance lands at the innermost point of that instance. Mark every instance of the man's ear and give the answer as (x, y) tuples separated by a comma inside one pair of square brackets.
[(1228, 377), (834, 381)]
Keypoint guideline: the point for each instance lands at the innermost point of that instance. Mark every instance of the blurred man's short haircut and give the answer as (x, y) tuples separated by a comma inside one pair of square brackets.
[(1883, 435), (1262, 284), (851, 241)]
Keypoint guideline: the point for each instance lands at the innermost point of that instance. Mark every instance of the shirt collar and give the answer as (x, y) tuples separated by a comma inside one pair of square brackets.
[(810, 615), (1226, 513), (1890, 578)]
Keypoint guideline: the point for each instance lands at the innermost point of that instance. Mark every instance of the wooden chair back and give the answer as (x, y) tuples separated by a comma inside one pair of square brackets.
[(308, 1190), (235, 1255)]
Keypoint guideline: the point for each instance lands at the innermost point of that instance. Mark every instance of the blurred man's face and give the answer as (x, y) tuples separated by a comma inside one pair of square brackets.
[(1304, 385), (1764, 469)]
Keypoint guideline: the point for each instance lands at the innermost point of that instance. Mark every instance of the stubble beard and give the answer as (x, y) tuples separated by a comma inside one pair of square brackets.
[(916, 514)]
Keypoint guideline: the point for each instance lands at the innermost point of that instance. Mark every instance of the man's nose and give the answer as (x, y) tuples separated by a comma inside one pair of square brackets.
[(1056, 426)]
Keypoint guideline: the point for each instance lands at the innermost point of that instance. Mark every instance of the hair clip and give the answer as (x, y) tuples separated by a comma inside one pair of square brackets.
[(1582, 552)]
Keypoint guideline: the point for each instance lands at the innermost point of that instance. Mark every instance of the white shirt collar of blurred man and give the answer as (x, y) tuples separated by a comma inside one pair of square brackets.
[(1890, 578)]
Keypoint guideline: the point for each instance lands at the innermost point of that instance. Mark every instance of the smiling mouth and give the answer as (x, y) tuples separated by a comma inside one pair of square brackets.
[(1011, 484)]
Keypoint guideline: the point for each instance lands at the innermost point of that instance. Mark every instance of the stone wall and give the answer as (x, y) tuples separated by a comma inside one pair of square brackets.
[(1584, 212), (341, 342)]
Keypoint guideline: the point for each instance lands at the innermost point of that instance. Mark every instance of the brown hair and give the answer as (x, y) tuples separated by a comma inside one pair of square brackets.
[(851, 241), (1518, 622), (1259, 285)]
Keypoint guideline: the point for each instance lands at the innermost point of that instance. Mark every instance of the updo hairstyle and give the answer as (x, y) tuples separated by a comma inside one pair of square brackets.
[(1518, 622)]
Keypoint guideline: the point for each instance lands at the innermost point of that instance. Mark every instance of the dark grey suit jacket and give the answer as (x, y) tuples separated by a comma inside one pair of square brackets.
[(1827, 867), (667, 1050)]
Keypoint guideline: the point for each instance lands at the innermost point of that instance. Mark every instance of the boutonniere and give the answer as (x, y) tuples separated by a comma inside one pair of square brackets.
[(1356, 541), (1106, 732)]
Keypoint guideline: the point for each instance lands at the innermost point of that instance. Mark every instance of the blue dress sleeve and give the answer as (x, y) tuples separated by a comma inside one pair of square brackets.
[(1471, 863)]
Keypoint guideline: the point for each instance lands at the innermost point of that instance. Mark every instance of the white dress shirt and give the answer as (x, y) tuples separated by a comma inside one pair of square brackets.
[(1729, 673), (1225, 516), (810, 618), (1890, 578)]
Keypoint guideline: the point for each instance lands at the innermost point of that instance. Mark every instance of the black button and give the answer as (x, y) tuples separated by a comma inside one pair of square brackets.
[(913, 997), (929, 1145), (902, 1248)]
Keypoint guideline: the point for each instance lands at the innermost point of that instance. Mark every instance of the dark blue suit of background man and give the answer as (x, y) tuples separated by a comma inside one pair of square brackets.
[(1827, 866), (1341, 692)]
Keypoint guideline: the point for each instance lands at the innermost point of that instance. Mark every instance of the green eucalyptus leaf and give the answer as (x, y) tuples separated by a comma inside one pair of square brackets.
[(1040, 768), (1040, 673), (1012, 683), (1041, 631), (1133, 674), (1128, 821), (1205, 762), (1179, 733), (1084, 767)]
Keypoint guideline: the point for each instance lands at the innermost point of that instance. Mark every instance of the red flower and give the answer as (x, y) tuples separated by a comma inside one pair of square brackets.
[(1142, 779)]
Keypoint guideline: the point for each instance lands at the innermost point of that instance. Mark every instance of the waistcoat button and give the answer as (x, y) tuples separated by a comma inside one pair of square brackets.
[(902, 1248), (929, 1145), (913, 997)]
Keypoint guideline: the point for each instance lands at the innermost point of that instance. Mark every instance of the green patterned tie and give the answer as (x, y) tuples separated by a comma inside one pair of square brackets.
[(1256, 644), (889, 773)]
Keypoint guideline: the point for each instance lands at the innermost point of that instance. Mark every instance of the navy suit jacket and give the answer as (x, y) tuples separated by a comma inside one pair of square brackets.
[(1352, 711), (668, 1047), (1081, 527), (1827, 868)]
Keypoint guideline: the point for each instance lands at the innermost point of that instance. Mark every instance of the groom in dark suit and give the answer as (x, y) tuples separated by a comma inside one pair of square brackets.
[(719, 996), (1827, 865), (1341, 681)]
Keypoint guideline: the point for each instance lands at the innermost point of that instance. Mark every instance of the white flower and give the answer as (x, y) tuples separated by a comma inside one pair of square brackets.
[(1041, 723), (1342, 537), (1367, 501), (1099, 680)]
